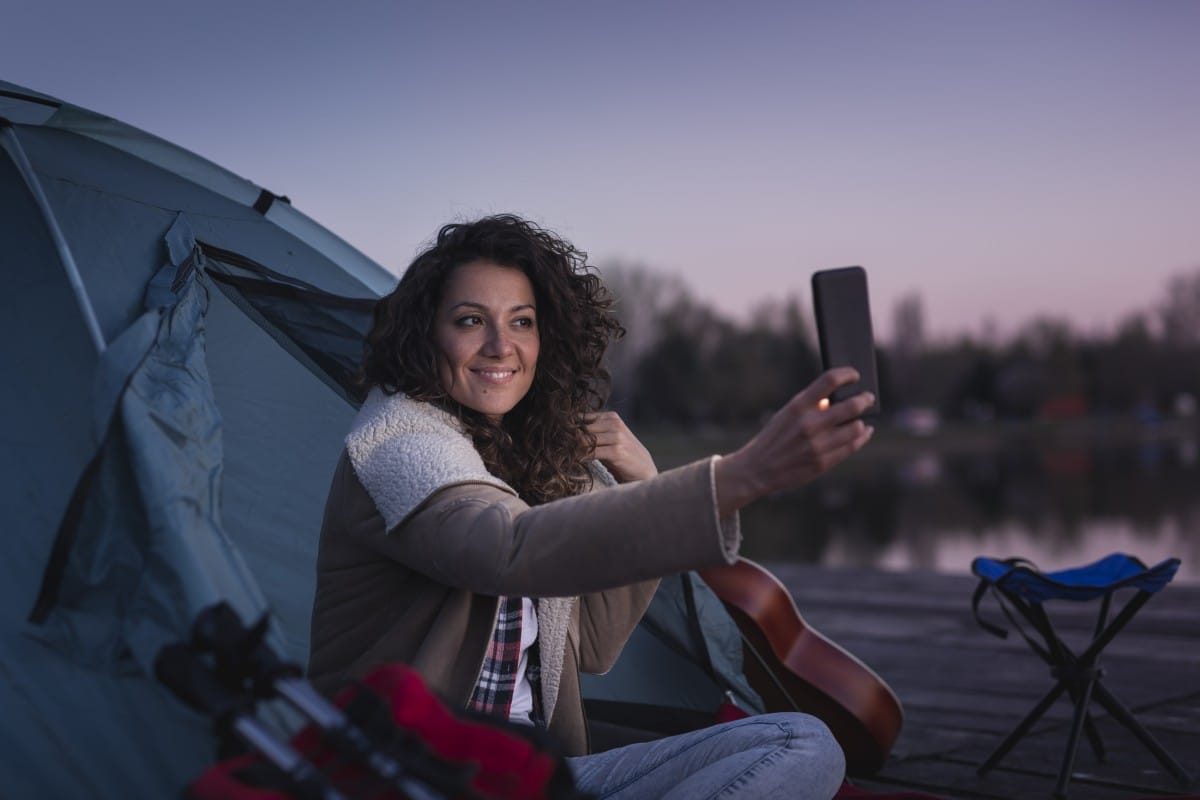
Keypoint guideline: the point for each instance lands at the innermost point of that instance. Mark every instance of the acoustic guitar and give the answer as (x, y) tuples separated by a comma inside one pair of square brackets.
[(795, 668)]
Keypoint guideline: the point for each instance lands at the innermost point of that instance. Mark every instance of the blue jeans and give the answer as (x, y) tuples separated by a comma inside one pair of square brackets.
[(790, 756)]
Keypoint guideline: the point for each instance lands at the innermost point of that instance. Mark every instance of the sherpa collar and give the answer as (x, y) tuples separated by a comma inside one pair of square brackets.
[(404, 450)]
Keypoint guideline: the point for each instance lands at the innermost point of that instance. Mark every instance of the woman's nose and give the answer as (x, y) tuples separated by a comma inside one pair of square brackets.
[(498, 343)]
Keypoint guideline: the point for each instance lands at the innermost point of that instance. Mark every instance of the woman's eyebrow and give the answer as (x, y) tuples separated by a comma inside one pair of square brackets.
[(482, 307)]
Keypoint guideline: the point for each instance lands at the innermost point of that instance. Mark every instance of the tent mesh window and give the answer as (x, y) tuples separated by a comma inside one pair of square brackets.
[(324, 331)]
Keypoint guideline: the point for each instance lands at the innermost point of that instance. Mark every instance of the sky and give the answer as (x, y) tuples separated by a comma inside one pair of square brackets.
[(1003, 160)]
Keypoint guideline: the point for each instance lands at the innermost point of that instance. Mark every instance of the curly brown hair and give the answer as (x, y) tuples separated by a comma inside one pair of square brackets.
[(540, 446)]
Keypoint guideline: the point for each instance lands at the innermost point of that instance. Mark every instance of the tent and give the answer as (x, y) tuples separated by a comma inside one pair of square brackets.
[(165, 444), (176, 345), (682, 663)]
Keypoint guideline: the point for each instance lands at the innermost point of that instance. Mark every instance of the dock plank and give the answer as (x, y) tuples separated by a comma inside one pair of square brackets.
[(964, 689)]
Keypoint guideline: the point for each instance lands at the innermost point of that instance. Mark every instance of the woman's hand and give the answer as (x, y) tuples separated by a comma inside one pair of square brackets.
[(618, 449), (804, 439)]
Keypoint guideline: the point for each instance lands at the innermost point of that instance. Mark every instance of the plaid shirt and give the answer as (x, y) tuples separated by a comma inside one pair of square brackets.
[(494, 690)]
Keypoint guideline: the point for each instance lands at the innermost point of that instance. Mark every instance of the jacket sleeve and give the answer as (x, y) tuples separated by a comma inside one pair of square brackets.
[(607, 619), (481, 538)]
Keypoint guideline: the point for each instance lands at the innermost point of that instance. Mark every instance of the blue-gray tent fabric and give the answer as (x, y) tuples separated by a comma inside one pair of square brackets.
[(22, 105), (69, 731), (663, 666), (99, 725), (47, 359), (283, 431)]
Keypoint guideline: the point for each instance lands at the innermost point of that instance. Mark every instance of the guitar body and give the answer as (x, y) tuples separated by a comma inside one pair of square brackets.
[(795, 668)]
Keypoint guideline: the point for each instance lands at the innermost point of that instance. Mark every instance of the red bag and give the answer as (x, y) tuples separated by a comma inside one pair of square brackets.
[(506, 761)]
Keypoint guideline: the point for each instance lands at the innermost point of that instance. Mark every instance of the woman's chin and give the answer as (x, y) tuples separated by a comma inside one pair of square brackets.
[(493, 409)]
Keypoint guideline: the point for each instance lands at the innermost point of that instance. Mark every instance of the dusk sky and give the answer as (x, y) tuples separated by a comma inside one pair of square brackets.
[(1000, 159)]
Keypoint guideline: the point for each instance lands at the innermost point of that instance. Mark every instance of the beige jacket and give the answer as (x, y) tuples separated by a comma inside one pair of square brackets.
[(413, 557)]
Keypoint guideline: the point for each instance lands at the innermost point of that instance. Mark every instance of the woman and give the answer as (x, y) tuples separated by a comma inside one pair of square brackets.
[(489, 526)]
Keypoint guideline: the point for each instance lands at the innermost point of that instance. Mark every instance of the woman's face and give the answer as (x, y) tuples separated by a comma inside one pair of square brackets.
[(486, 330)]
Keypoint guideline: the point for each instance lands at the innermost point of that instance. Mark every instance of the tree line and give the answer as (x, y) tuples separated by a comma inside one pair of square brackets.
[(684, 364)]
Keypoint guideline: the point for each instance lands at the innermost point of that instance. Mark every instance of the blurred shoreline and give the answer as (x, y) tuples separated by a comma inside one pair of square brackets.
[(672, 447), (1061, 493)]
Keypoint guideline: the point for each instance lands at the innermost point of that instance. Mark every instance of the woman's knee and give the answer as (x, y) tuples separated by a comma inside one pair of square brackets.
[(815, 755)]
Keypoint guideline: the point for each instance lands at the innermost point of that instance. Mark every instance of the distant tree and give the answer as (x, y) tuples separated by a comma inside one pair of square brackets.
[(1179, 313), (754, 372), (668, 378), (976, 396), (1124, 367), (1044, 336), (684, 363), (784, 337), (908, 327), (676, 380), (1178, 369), (905, 355), (642, 299), (1046, 371)]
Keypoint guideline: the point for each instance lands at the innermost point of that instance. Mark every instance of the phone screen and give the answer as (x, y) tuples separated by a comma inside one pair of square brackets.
[(843, 313)]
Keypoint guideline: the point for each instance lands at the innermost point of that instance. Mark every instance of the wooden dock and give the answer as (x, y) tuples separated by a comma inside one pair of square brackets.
[(964, 689)]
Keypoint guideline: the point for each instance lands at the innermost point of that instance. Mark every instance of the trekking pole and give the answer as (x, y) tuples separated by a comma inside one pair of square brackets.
[(242, 656), (193, 682)]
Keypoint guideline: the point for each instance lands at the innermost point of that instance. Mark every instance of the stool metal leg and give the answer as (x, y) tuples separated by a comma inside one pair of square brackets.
[(1052, 654), (1093, 735), (1062, 659), (1089, 727), (1068, 762), (1022, 727), (1124, 716)]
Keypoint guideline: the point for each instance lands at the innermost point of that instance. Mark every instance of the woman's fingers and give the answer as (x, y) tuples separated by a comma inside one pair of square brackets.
[(847, 444), (618, 449), (604, 421), (838, 438), (825, 384), (851, 408), (815, 399)]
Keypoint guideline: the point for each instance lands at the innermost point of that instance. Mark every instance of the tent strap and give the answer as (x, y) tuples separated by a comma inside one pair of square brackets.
[(267, 199)]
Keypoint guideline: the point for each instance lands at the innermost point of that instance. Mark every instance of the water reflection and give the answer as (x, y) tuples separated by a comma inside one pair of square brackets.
[(1057, 506)]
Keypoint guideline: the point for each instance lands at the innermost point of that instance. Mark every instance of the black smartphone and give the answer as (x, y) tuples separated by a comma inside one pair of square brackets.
[(843, 313)]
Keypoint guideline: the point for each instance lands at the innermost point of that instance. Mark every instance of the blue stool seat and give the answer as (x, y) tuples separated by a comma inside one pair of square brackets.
[(1022, 590), (1117, 571)]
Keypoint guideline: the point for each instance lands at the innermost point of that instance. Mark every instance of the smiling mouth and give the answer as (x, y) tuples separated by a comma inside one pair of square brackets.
[(495, 375)]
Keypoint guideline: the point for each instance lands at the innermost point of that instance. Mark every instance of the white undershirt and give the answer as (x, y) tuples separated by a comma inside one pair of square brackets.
[(522, 701)]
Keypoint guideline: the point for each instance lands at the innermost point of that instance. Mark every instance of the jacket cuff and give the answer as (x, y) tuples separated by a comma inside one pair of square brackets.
[(729, 527)]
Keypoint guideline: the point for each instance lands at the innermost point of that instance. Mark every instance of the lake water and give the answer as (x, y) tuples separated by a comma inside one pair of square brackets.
[(1056, 506)]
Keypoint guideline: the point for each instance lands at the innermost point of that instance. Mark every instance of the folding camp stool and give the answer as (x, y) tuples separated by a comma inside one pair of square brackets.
[(1019, 587)]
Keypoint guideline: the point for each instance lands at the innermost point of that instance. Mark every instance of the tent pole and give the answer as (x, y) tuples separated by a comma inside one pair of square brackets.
[(9, 141)]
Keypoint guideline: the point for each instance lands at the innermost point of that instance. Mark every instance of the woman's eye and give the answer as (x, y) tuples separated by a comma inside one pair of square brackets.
[(470, 320), (524, 322)]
